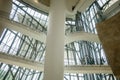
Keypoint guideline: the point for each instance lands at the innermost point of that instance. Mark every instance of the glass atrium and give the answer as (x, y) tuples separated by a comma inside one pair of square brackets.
[(76, 53)]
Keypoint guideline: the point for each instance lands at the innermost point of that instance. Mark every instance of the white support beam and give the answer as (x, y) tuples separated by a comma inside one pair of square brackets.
[(18, 61)]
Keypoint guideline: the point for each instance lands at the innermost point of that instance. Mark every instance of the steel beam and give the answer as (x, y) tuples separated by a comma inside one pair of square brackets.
[(19, 61)]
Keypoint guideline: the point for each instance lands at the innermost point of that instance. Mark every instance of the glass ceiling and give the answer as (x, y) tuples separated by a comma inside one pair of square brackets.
[(76, 53)]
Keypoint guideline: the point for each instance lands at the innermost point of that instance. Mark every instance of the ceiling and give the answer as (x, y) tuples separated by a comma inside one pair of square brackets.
[(72, 5), (45, 2)]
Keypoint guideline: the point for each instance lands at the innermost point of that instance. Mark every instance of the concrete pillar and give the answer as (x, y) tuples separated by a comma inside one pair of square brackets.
[(5, 9), (54, 58)]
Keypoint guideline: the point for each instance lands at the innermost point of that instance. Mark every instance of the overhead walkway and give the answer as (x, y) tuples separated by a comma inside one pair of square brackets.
[(19, 61), (40, 36), (76, 36)]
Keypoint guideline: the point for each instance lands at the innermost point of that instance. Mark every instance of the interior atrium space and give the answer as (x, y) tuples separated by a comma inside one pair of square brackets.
[(54, 39)]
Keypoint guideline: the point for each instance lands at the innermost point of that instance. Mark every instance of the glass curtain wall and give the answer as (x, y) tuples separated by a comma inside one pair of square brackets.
[(76, 53)]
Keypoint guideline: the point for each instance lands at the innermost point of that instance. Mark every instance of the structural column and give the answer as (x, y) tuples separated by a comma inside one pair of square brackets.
[(5, 9), (54, 57)]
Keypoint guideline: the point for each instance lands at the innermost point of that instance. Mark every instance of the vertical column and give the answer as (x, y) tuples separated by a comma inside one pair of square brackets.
[(54, 58), (5, 8)]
